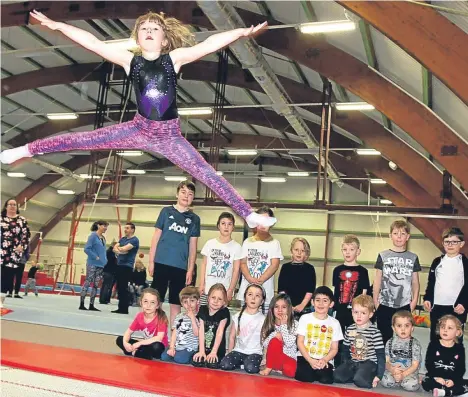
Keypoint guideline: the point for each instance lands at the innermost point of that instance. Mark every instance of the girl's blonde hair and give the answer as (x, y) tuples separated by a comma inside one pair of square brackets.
[(219, 287), (176, 33), (160, 313), (139, 265), (304, 242), (270, 321), (456, 321)]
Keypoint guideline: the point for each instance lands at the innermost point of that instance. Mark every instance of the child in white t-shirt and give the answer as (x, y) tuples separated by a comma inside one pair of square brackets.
[(245, 348), (261, 256), (221, 259)]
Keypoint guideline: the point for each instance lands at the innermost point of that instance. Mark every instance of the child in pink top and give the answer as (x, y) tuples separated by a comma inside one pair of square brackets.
[(152, 321)]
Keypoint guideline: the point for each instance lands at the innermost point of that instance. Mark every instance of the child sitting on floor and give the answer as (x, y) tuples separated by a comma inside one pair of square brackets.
[(363, 356), (245, 349), (153, 322), (214, 320), (184, 338), (402, 354), (279, 334), (445, 360), (318, 338)]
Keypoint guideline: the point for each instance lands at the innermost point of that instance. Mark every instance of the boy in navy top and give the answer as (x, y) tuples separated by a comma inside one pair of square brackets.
[(126, 250), (174, 247)]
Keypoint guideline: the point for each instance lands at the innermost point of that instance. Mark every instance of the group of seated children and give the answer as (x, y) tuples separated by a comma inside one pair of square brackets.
[(305, 342)]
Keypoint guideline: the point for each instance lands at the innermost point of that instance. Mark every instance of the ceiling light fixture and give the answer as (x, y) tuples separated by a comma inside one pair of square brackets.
[(62, 116), (65, 191), (175, 178), (273, 179), (194, 111), (327, 27), (392, 165), (377, 181), (136, 172), (298, 173), (130, 153), (16, 174), (385, 201), (368, 152), (87, 176), (220, 173), (354, 106), (242, 152)]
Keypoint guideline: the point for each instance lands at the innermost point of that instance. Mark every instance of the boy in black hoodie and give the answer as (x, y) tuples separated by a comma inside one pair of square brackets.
[(447, 285)]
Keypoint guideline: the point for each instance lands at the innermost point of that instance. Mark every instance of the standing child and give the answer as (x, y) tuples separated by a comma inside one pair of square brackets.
[(396, 282), (245, 349), (261, 255), (447, 285), (445, 360), (31, 283), (349, 280), (297, 278), (402, 354), (279, 334), (363, 355), (184, 337), (221, 259), (318, 337), (153, 322), (138, 282), (214, 320)]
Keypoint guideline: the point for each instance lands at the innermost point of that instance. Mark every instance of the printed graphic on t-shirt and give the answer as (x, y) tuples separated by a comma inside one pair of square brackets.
[(184, 330), (220, 262), (209, 335), (318, 340), (257, 261), (348, 285), (359, 348)]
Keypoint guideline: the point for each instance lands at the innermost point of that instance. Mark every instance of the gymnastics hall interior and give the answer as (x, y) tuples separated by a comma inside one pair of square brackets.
[(337, 131)]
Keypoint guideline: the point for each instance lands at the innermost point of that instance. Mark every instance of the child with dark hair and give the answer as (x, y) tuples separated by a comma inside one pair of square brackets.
[(152, 321), (447, 284), (221, 259), (245, 349), (261, 256), (279, 333), (95, 249), (317, 340), (446, 361), (297, 278), (185, 329)]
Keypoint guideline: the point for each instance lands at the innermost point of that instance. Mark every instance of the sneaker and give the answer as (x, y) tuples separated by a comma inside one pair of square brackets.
[(438, 392), (119, 312), (37, 295), (82, 307), (9, 295), (18, 297), (93, 309)]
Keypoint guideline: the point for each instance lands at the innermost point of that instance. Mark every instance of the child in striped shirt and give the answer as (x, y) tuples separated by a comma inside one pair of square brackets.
[(363, 355)]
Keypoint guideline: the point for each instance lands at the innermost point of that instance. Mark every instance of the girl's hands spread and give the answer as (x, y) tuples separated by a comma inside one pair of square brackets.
[(43, 20)]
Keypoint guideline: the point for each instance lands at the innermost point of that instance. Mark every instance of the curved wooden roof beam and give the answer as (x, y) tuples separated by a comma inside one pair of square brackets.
[(429, 37), (371, 132)]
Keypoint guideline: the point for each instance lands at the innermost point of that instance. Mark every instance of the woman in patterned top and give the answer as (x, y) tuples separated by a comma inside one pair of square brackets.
[(15, 241)]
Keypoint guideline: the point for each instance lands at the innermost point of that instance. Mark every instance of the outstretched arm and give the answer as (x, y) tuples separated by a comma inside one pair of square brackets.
[(182, 56), (85, 39)]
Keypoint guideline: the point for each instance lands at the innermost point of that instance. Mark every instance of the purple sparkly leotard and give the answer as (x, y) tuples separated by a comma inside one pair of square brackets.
[(155, 128)]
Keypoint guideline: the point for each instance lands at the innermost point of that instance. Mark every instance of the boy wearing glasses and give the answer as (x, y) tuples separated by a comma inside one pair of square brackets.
[(447, 285)]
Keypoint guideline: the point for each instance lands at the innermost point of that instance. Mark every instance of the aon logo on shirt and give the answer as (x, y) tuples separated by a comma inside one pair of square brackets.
[(179, 229)]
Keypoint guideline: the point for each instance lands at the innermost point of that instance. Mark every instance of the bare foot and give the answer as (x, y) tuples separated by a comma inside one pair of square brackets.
[(265, 372)]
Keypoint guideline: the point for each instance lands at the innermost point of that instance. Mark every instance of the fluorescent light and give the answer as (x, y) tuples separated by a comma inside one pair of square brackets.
[(367, 152), (392, 165), (16, 174), (327, 27), (87, 176), (273, 179), (194, 111), (242, 152), (130, 153), (175, 178), (136, 172), (60, 191), (385, 201), (354, 106), (220, 173), (298, 173), (312, 151), (378, 181), (62, 116)]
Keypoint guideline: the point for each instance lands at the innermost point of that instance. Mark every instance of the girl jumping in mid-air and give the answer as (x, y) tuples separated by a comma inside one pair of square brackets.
[(162, 44)]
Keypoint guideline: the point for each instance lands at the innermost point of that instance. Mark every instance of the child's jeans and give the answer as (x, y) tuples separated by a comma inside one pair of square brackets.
[(180, 357), (360, 373), (408, 383)]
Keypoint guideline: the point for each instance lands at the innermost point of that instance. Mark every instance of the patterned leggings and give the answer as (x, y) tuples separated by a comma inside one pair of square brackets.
[(94, 275), (162, 137), (234, 360)]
